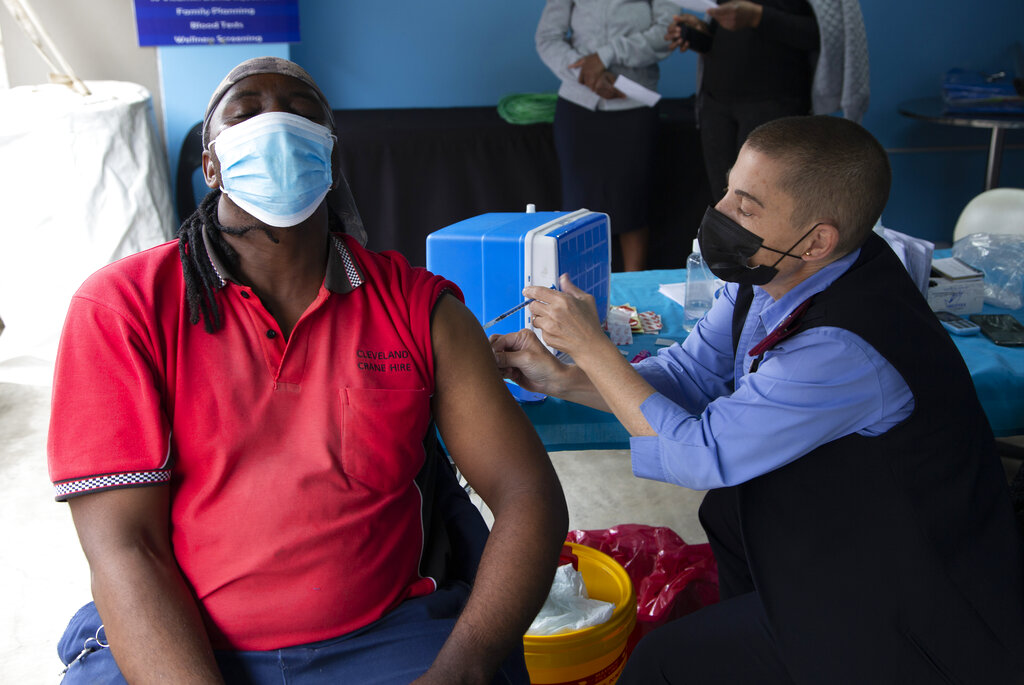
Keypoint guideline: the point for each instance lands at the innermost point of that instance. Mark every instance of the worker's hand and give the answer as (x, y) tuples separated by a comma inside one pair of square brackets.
[(675, 30), (591, 68), (568, 318), (524, 360), (606, 87), (737, 14)]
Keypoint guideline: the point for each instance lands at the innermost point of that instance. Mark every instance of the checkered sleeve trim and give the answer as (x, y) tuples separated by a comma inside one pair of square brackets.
[(355, 277), (66, 489)]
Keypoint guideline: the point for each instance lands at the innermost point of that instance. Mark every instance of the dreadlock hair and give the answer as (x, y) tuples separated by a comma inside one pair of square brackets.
[(202, 280)]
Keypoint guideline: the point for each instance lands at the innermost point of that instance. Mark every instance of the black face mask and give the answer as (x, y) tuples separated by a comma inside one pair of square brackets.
[(727, 247)]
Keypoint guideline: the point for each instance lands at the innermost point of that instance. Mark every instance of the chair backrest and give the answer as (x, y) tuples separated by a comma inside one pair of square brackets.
[(190, 159), (1000, 210)]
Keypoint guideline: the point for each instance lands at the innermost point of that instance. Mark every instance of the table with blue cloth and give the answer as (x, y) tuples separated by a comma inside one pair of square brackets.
[(998, 372)]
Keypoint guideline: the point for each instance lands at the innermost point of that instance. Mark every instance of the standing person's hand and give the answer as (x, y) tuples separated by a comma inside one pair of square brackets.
[(591, 68), (606, 87), (737, 14), (674, 36)]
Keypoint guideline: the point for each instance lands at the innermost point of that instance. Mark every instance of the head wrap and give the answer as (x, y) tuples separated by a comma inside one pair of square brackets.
[(261, 65), (340, 198)]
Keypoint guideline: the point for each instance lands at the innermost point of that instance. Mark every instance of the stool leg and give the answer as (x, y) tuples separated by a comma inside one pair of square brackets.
[(995, 157)]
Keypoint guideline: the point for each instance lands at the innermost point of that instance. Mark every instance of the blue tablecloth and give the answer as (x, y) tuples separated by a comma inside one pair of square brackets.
[(998, 372)]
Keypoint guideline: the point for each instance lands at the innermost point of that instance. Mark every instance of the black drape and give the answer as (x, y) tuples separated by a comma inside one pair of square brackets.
[(413, 171)]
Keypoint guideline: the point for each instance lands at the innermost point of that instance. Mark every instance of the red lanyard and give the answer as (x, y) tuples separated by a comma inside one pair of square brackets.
[(781, 332)]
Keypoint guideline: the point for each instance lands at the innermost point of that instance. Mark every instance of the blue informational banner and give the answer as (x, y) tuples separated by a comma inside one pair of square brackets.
[(227, 22)]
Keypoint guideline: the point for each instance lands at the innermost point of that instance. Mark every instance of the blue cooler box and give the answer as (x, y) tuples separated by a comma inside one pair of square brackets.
[(492, 257)]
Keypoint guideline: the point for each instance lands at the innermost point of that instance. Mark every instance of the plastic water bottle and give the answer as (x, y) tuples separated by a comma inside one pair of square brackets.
[(700, 288)]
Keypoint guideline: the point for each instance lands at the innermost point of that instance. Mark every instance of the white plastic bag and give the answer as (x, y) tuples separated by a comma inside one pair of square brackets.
[(568, 607), (1001, 257), (83, 182)]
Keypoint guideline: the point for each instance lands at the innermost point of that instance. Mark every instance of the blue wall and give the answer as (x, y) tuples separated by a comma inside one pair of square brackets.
[(911, 48), (454, 53)]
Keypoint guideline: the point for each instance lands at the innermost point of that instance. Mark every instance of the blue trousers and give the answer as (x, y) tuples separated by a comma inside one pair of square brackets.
[(397, 648)]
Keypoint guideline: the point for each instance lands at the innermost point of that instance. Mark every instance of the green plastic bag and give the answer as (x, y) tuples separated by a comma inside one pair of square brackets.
[(528, 108)]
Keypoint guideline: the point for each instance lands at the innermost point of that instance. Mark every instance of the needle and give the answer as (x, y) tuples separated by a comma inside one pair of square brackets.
[(507, 314), (510, 312)]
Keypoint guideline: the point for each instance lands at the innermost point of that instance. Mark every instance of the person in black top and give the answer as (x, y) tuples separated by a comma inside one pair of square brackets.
[(756, 66)]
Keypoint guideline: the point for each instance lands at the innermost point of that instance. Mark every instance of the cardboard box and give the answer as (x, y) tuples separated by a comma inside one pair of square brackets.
[(955, 287)]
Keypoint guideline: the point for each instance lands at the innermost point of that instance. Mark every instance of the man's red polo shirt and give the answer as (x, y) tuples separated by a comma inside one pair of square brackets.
[(294, 514)]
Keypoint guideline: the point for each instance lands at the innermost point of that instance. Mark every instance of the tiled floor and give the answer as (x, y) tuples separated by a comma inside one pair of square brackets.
[(44, 577), (43, 574)]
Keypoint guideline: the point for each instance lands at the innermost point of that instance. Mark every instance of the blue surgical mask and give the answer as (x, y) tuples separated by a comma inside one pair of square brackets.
[(276, 166)]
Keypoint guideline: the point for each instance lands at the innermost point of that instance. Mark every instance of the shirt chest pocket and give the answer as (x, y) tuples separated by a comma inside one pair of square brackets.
[(382, 435)]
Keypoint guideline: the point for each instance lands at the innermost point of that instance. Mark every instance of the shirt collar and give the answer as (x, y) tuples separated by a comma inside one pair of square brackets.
[(774, 311), (343, 273)]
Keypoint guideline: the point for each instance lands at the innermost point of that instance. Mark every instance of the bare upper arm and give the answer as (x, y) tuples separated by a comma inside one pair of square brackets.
[(490, 438), (150, 616), (114, 520)]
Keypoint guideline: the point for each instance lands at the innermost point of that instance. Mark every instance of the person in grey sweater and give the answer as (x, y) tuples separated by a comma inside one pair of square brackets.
[(605, 141)]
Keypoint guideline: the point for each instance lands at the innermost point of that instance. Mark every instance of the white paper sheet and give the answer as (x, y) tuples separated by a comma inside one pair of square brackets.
[(630, 89), (634, 91), (695, 5), (954, 269), (915, 253), (675, 292)]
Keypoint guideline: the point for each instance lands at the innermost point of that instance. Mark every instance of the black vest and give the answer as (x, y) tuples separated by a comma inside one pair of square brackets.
[(893, 558)]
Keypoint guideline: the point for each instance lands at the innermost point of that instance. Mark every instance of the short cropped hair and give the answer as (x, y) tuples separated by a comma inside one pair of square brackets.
[(834, 170)]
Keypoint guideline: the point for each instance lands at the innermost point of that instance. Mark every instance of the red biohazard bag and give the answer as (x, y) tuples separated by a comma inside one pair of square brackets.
[(670, 577)]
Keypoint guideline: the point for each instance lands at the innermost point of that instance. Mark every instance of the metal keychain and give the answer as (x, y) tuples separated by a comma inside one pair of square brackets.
[(87, 649)]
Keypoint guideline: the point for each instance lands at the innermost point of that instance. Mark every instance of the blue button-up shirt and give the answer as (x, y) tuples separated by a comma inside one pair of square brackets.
[(812, 388)]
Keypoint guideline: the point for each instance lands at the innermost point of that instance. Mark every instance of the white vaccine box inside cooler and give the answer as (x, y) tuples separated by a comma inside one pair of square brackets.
[(492, 257)]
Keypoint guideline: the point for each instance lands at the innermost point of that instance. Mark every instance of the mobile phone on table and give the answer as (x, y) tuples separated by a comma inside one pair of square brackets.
[(1002, 329), (957, 325)]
